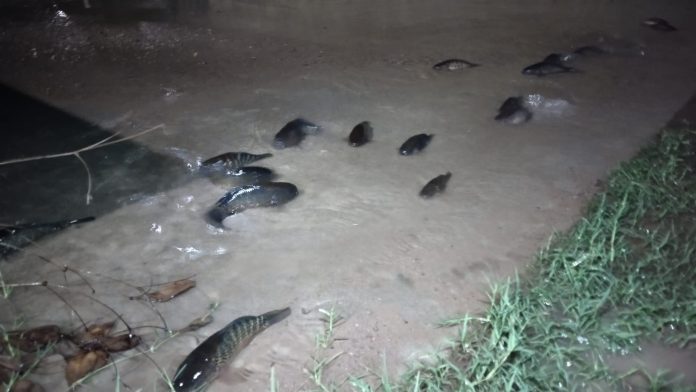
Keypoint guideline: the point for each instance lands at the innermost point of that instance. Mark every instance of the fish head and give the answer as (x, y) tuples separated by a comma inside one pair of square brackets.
[(194, 376)]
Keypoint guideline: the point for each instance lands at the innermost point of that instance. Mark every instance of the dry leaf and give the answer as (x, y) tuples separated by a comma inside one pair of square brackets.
[(10, 363), (5, 376), (100, 329), (198, 323), (172, 289), (121, 342), (92, 337), (34, 339), (84, 363), (25, 385)]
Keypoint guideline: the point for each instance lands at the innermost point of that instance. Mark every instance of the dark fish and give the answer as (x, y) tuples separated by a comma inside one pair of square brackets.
[(243, 176), (234, 160), (558, 58), (201, 366), (415, 144), (454, 65), (546, 68), (293, 133), (361, 134), (513, 111), (659, 24), (238, 199), (14, 237), (436, 185), (589, 50)]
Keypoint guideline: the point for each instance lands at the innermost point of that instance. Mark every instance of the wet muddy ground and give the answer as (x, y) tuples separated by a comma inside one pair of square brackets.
[(225, 76)]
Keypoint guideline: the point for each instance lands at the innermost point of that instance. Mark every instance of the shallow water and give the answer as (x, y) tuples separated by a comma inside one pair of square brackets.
[(226, 76)]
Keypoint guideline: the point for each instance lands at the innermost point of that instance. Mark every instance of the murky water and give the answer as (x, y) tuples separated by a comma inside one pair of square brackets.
[(226, 75)]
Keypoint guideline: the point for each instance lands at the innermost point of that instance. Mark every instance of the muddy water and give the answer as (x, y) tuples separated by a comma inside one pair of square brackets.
[(226, 76)]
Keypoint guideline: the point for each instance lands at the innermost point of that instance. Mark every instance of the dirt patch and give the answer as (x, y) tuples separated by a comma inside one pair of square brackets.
[(358, 237)]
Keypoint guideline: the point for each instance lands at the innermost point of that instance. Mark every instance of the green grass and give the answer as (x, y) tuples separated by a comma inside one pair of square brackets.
[(624, 273)]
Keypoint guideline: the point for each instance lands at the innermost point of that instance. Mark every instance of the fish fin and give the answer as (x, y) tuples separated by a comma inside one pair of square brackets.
[(81, 220), (275, 316)]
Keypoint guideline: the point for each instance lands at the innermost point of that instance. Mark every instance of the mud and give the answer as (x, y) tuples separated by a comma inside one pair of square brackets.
[(226, 76)]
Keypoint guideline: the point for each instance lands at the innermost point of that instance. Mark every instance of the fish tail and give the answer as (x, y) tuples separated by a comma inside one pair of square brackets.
[(57, 225), (264, 156), (80, 220), (275, 316), (448, 175), (218, 214)]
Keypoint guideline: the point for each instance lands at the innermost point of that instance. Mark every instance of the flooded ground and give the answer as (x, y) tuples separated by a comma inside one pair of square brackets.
[(226, 76)]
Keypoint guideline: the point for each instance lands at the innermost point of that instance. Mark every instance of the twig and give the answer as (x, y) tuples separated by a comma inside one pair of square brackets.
[(88, 195), (76, 153), (65, 268), (100, 144)]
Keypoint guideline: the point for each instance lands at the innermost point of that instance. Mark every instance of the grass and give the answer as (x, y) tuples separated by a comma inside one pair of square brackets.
[(331, 320), (622, 274)]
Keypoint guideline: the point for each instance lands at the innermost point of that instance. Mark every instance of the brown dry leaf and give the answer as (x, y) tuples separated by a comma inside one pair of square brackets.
[(93, 335), (121, 342), (25, 385), (34, 339), (5, 375), (172, 289), (84, 363), (100, 329), (10, 363), (198, 323)]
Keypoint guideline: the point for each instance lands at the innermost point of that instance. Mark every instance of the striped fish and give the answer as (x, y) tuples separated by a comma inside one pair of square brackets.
[(202, 365), (234, 160)]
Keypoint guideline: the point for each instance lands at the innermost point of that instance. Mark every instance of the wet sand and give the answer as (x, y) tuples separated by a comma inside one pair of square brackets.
[(358, 237)]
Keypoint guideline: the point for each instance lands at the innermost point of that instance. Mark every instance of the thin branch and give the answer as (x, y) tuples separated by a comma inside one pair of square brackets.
[(65, 267), (88, 195), (103, 143)]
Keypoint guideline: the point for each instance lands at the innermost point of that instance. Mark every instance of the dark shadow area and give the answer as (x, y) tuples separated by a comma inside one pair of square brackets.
[(107, 10), (51, 190)]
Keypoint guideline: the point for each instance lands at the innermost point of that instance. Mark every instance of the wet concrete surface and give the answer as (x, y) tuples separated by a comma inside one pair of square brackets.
[(226, 76)]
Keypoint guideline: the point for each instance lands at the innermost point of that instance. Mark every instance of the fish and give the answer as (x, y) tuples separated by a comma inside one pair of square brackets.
[(293, 133), (659, 24), (269, 194), (588, 50), (201, 367), (559, 58), (415, 144), (435, 186), (242, 176), (547, 68), (513, 111), (13, 238), (234, 160), (361, 134), (454, 65)]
